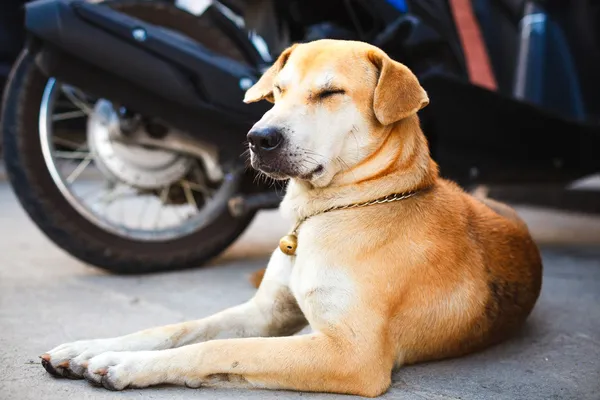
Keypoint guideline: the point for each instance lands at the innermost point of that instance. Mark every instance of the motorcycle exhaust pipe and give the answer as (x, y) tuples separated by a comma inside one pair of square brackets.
[(245, 204)]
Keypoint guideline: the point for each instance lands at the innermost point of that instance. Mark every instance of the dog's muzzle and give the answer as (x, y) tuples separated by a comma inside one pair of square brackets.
[(264, 141), (266, 145)]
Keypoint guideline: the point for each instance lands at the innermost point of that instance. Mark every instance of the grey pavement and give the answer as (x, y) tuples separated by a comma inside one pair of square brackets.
[(47, 298)]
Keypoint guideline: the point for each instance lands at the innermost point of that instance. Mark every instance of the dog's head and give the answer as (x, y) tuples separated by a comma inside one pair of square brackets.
[(332, 99)]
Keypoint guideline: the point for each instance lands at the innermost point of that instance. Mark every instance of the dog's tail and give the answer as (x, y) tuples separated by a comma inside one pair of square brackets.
[(498, 207), (504, 210)]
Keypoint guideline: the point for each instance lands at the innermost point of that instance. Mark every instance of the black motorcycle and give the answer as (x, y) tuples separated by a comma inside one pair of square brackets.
[(124, 125)]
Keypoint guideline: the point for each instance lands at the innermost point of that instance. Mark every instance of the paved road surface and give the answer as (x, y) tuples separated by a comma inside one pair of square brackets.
[(47, 298)]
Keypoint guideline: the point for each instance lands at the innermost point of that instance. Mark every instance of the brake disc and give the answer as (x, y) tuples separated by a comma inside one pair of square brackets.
[(138, 166)]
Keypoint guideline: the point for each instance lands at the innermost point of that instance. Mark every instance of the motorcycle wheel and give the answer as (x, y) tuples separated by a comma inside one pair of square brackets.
[(56, 208)]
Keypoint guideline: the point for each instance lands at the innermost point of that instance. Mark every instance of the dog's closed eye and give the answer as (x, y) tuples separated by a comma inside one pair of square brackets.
[(330, 92)]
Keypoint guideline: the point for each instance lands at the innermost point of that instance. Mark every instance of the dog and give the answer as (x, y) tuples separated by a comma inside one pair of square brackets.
[(389, 263)]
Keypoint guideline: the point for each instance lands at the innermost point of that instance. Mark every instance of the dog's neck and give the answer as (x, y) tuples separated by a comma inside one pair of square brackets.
[(400, 163)]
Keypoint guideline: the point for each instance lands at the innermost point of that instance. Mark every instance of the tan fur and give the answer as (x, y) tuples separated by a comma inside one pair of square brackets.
[(438, 275), (257, 277)]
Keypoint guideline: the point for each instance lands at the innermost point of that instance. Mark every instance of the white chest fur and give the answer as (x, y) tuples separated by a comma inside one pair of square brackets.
[(323, 289)]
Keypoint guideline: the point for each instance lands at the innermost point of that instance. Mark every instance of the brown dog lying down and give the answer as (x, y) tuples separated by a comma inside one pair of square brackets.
[(389, 264)]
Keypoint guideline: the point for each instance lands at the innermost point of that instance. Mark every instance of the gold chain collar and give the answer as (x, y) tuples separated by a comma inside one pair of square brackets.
[(289, 243)]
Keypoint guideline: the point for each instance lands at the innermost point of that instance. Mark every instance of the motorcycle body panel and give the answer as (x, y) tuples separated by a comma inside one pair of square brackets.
[(153, 71)]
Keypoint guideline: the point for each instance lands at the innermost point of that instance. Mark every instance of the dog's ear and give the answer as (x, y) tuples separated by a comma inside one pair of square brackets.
[(263, 89), (398, 93)]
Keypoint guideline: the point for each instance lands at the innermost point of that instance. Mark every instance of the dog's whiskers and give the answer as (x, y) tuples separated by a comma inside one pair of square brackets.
[(343, 164), (353, 132)]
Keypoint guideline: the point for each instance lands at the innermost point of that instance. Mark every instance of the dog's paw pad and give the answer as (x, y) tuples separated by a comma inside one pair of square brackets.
[(110, 383), (49, 368), (92, 378), (110, 370), (69, 360)]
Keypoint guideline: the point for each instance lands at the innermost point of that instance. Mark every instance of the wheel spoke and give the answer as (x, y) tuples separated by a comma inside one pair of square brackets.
[(68, 115), (115, 196), (164, 196), (69, 143), (88, 194), (74, 97), (189, 196), (109, 198), (71, 155), (82, 165), (183, 216), (143, 211), (196, 188)]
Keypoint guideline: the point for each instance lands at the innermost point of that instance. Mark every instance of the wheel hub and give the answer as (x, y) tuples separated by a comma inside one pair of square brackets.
[(138, 166)]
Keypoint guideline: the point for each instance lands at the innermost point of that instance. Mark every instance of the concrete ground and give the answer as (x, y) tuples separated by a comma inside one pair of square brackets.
[(47, 298)]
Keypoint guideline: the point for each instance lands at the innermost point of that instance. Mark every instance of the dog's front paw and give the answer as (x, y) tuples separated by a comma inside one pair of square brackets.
[(70, 359), (120, 370)]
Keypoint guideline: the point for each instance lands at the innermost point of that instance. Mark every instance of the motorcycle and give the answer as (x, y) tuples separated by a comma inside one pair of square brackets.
[(124, 125)]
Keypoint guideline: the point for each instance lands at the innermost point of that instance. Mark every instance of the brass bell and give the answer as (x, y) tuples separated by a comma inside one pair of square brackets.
[(288, 244)]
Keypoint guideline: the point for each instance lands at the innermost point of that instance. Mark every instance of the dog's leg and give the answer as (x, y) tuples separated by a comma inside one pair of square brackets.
[(314, 362), (273, 311)]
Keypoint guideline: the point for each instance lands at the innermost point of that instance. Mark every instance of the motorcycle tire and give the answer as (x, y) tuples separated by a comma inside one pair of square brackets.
[(65, 226)]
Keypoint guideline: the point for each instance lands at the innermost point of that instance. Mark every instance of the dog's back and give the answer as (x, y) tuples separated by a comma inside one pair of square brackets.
[(497, 255)]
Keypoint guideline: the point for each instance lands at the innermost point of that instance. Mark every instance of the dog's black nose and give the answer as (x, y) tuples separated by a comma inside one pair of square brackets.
[(264, 139)]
